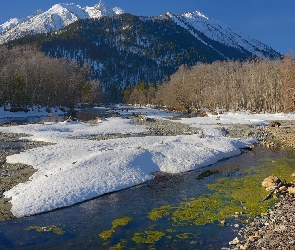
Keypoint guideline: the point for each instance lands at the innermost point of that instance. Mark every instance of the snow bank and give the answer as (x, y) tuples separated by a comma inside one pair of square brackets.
[(74, 170)]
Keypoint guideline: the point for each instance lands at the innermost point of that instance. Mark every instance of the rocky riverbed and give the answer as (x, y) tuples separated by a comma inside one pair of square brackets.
[(13, 174), (275, 229)]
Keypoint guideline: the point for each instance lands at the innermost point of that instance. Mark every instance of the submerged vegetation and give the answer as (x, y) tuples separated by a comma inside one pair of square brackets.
[(148, 237), (116, 223), (234, 195), (53, 229), (230, 196)]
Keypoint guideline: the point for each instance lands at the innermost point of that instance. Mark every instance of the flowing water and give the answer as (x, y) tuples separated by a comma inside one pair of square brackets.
[(122, 217), (30, 119)]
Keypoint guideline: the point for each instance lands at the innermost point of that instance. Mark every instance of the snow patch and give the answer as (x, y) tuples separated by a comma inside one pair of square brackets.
[(74, 170)]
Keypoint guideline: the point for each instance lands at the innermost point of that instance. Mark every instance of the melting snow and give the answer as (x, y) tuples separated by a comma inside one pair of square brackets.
[(74, 170)]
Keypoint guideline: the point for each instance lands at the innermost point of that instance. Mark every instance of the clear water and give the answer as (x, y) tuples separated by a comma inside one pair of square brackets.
[(30, 119), (84, 222)]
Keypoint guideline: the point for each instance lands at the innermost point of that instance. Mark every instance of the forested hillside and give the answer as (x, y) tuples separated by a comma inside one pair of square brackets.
[(124, 50), (29, 77), (185, 62), (255, 85)]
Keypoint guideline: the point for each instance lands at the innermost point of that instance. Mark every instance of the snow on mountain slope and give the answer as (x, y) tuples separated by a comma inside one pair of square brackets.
[(57, 17), (209, 31), (199, 25), (9, 24), (101, 9)]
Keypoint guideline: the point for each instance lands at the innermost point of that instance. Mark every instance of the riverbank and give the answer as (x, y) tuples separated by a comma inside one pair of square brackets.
[(11, 144), (169, 143), (276, 228), (13, 174)]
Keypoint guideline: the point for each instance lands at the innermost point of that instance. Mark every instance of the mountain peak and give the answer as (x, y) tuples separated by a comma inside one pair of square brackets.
[(102, 9), (101, 5), (118, 10), (57, 17), (194, 14)]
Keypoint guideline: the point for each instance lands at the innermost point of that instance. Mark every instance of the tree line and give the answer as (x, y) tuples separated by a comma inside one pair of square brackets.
[(256, 85), (30, 77)]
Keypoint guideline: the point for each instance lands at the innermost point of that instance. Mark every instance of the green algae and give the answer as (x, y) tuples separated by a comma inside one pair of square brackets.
[(159, 212), (105, 235), (121, 222), (53, 229), (183, 236), (223, 170), (233, 193), (237, 196), (119, 246), (148, 237), (169, 230), (203, 210)]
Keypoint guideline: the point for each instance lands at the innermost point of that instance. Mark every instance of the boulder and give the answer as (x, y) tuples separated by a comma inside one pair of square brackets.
[(291, 190), (271, 182)]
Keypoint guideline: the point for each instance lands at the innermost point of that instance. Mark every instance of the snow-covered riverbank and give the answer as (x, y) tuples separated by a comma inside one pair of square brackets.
[(74, 170)]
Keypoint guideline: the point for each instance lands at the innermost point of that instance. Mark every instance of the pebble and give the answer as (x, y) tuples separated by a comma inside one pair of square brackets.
[(235, 241), (13, 174), (274, 231)]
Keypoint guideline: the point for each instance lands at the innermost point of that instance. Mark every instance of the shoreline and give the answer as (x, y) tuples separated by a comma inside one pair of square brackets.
[(276, 228), (13, 174)]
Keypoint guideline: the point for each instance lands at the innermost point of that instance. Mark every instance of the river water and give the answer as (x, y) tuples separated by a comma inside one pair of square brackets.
[(83, 223)]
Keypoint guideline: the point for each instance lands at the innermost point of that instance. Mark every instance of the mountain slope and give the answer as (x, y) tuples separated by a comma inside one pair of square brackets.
[(57, 17), (203, 27), (124, 49)]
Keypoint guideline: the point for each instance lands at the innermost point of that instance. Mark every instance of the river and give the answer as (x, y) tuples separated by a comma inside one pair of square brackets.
[(124, 216)]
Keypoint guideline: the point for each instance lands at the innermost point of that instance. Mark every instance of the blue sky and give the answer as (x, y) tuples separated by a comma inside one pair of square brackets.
[(269, 21)]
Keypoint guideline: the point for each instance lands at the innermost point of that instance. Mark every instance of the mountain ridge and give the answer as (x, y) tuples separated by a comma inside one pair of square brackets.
[(58, 16), (123, 49), (63, 14)]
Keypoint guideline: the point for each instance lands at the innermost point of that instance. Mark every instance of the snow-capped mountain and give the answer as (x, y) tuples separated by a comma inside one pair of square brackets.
[(9, 24), (57, 17), (203, 27), (124, 49)]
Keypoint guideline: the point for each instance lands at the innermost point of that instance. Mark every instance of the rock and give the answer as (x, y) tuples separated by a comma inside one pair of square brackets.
[(256, 234), (283, 188), (69, 119), (235, 241), (243, 247), (251, 238), (271, 181), (275, 124), (142, 117), (270, 188), (291, 190)]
